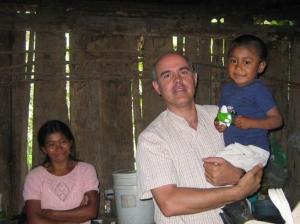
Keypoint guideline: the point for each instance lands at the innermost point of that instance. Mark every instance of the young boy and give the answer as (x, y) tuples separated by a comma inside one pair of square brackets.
[(255, 108)]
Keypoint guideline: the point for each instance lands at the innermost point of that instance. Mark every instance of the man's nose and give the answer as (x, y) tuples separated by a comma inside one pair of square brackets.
[(177, 76)]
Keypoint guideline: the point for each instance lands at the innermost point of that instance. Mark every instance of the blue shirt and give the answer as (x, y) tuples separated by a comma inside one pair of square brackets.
[(253, 100)]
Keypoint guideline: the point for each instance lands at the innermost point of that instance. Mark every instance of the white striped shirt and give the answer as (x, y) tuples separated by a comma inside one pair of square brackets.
[(171, 152)]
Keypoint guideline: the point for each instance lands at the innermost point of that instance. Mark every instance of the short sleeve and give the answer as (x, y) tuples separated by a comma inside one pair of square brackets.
[(89, 176), (154, 166), (33, 185), (265, 99)]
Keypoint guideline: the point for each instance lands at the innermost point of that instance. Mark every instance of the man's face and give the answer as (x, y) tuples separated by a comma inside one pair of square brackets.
[(175, 81)]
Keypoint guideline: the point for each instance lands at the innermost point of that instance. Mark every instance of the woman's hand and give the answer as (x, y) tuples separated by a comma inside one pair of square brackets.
[(84, 201)]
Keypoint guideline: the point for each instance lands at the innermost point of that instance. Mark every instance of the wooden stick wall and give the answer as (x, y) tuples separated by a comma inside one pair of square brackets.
[(104, 79)]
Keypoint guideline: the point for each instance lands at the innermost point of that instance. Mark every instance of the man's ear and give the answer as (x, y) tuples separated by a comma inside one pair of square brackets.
[(44, 150), (195, 78), (261, 67), (156, 86)]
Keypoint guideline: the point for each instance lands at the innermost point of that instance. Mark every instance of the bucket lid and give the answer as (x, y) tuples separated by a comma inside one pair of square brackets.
[(124, 177), (126, 173)]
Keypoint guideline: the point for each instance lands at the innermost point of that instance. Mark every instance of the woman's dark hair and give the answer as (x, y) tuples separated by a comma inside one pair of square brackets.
[(54, 126), (248, 40)]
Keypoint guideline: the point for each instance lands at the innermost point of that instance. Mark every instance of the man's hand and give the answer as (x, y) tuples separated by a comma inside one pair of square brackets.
[(243, 122), (219, 172), (250, 182), (220, 127)]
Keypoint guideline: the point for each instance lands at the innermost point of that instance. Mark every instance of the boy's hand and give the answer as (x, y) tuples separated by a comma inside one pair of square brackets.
[(242, 122), (220, 127)]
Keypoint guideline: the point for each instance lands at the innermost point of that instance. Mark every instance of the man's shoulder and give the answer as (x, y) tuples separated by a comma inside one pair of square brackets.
[(155, 125), (208, 109)]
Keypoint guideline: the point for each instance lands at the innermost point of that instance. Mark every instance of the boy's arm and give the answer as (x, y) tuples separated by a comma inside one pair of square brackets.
[(272, 121)]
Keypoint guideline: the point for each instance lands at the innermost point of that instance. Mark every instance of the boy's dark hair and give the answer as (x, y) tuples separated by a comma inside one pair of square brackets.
[(54, 126), (251, 41)]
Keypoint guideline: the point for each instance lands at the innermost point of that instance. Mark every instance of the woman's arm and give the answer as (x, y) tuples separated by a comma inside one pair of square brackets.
[(83, 213), (34, 214)]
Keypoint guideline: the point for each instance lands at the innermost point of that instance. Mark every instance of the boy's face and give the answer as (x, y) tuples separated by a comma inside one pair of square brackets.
[(244, 64)]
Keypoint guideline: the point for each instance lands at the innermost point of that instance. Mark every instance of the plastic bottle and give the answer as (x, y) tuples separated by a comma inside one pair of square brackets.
[(109, 197), (2, 213), (225, 115), (108, 205)]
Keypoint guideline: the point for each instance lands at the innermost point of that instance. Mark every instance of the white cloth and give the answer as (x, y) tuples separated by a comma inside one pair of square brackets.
[(171, 152), (244, 156)]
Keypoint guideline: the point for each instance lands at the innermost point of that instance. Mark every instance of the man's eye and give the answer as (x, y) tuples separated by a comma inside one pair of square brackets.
[(247, 62), (184, 72), (166, 75)]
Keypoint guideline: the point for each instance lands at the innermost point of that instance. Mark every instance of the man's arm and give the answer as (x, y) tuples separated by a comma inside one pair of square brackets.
[(80, 214), (174, 200), (272, 121)]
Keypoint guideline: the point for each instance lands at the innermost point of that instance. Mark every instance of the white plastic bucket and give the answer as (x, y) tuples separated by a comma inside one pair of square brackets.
[(131, 210)]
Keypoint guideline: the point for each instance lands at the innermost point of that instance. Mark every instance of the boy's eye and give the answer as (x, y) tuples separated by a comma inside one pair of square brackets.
[(247, 62), (232, 61)]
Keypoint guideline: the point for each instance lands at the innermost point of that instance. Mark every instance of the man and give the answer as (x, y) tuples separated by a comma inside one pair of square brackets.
[(174, 149)]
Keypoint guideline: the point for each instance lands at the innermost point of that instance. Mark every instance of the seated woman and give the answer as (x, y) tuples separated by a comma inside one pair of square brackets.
[(61, 189)]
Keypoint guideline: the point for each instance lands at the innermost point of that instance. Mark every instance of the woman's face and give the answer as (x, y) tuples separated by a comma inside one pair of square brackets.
[(57, 147)]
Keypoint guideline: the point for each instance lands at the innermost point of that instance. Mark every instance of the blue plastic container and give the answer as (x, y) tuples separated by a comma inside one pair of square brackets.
[(265, 210)]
